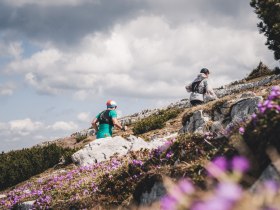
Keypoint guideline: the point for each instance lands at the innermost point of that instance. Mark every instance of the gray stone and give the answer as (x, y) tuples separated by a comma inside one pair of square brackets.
[(269, 174), (102, 149), (229, 89), (90, 132), (217, 128), (2, 196), (156, 192), (197, 122), (149, 190), (244, 108), (26, 205), (248, 94)]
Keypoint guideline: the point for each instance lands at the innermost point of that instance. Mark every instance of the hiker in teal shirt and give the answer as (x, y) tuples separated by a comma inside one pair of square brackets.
[(106, 121)]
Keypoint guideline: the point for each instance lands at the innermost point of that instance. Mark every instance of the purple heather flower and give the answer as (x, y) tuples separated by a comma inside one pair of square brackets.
[(275, 88), (186, 186), (254, 116), (240, 164), (137, 162), (217, 166), (168, 203), (271, 185), (164, 147), (212, 204), (241, 130), (169, 154), (262, 109), (229, 191)]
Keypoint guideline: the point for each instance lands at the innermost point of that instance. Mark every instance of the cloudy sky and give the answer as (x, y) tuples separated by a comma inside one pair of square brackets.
[(60, 60)]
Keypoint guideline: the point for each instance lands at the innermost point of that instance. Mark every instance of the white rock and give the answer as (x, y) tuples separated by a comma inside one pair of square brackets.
[(26, 205), (2, 196), (101, 150)]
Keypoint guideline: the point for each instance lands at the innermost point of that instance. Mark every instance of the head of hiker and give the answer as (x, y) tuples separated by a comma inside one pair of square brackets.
[(205, 71), (111, 104)]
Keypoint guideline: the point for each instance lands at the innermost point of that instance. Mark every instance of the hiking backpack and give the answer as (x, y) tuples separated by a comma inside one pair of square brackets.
[(104, 118), (195, 87)]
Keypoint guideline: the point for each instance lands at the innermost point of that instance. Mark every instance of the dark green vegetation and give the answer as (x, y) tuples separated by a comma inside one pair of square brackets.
[(80, 138), (155, 121), (263, 133), (261, 70), (269, 13), (20, 165)]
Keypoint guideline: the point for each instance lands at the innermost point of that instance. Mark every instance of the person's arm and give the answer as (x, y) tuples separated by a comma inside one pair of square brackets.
[(94, 124), (210, 91), (118, 124), (189, 88)]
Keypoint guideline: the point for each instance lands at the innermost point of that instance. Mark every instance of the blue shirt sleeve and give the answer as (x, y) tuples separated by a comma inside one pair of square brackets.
[(113, 114)]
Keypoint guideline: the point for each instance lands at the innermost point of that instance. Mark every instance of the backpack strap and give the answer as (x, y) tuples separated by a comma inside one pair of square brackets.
[(195, 89), (104, 118)]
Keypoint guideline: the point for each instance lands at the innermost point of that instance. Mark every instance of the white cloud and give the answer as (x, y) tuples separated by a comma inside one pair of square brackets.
[(16, 134), (11, 49), (84, 116), (7, 89), (81, 95), (62, 125), (48, 2), (24, 127), (145, 58)]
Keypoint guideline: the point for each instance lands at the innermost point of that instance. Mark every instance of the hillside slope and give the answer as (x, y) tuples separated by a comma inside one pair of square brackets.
[(142, 177)]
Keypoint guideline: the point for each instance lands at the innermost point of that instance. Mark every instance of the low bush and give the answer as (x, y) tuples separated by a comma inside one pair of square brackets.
[(262, 132), (155, 121), (20, 165), (80, 138), (261, 70)]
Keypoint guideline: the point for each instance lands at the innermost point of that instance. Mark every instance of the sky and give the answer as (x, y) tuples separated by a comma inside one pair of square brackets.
[(60, 61)]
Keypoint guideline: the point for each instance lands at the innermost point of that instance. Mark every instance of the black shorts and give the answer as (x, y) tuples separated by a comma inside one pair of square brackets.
[(196, 102)]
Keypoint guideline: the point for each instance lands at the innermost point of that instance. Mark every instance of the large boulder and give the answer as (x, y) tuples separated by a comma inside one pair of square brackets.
[(28, 205), (102, 149), (270, 174), (197, 122), (244, 108), (223, 117), (149, 190)]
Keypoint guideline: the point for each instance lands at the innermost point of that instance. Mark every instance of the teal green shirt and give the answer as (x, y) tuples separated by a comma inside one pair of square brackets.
[(106, 130)]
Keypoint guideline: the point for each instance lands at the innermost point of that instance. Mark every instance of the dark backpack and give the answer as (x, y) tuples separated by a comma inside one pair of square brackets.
[(104, 118), (195, 88)]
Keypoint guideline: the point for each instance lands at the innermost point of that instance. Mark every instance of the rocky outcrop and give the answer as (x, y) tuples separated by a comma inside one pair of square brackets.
[(269, 176), (28, 205), (102, 149), (223, 117), (220, 92), (149, 190), (244, 108), (229, 89)]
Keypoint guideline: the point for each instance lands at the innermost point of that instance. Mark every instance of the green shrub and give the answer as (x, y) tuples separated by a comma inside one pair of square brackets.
[(80, 138), (261, 134), (20, 165), (261, 70), (155, 121)]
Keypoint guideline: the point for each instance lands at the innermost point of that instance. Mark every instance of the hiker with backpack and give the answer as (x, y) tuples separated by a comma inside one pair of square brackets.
[(106, 120), (200, 88)]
